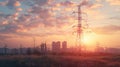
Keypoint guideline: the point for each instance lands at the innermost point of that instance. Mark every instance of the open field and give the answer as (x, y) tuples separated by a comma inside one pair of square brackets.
[(60, 61)]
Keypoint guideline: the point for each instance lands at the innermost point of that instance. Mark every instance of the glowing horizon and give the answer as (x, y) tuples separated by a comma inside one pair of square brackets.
[(52, 20)]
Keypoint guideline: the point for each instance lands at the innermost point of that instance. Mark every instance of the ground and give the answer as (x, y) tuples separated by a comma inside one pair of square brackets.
[(60, 61)]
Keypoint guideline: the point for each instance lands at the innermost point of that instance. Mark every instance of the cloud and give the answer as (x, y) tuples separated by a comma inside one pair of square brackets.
[(19, 9), (109, 29), (17, 4), (98, 0), (86, 3), (117, 10), (3, 3), (12, 3), (3, 37), (115, 18), (96, 5), (114, 2), (68, 3), (41, 2), (41, 15), (17, 22), (91, 4)]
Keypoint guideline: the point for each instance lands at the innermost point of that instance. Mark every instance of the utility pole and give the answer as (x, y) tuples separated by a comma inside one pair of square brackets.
[(21, 51), (5, 49), (34, 42)]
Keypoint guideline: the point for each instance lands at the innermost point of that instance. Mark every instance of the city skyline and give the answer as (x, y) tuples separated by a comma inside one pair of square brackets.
[(52, 20), (56, 47)]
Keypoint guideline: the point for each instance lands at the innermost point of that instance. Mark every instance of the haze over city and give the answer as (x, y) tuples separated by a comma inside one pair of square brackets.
[(59, 33), (53, 20)]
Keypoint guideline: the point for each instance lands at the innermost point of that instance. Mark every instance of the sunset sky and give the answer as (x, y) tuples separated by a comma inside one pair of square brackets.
[(53, 20)]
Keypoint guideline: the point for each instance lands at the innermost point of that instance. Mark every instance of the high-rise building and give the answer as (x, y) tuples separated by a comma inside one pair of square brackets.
[(56, 46), (43, 47), (64, 45), (53, 46)]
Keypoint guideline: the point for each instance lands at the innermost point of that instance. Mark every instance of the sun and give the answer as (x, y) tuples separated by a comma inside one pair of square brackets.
[(88, 38), (89, 41)]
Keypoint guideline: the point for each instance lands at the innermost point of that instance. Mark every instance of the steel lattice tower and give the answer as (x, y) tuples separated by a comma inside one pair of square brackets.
[(79, 30)]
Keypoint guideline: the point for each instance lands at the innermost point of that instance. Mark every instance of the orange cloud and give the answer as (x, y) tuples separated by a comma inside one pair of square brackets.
[(114, 2), (94, 14), (94, 6), (5, 22), (17, 3), (98, 0), (109, 29), (18, 9)]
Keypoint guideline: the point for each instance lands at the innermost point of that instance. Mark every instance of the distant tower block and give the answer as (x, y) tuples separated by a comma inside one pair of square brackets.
[(43, 47), (56, 46), (64, 45), (53, 46)]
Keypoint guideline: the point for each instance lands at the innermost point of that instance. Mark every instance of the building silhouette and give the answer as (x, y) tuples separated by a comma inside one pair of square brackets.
[(99, 48), (113, 50), (64, 45), (56, 46), (43, 47)]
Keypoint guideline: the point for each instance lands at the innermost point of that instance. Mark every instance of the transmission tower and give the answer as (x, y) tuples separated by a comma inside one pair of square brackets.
[(79, 28)]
